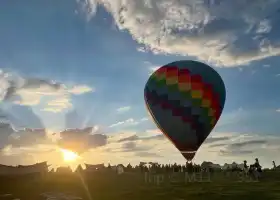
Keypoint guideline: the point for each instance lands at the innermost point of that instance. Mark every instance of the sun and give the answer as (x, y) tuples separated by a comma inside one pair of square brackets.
[(69, 156)]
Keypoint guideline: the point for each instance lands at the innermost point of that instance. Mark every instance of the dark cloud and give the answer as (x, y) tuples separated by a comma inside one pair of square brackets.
[(130, 138), (217, 145), (129, 145), (78, 140), (239, 148), (216, 139), (97, 140), (146, 154), (155, 137), (28, 137), (137, 138), (246, 143), (235, 152), (133, 147), (81, 140), (33, 83)]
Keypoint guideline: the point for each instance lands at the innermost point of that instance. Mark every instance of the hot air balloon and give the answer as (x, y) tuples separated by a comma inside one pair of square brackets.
[(185, 99)]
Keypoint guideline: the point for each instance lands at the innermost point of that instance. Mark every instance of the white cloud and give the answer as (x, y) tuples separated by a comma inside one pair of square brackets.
[(123, 109), (141, 49), (58, 104), (278, 110), (80, 89), (53, 96), (210, 31), (129, 121), (151, 67), (144, 119), (154, 131), (277, 75), (95, 129)]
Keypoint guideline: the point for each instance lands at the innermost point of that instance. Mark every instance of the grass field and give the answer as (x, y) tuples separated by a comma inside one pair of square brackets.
[(134, 187)]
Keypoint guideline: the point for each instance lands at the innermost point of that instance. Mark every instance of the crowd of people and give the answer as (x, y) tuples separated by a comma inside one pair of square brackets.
[(191, 167)]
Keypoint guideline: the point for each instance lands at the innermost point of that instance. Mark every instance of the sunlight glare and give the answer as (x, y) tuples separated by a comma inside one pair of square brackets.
[(69, 156)]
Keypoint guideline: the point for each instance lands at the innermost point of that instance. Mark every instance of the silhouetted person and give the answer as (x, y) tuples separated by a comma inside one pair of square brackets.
[(245, 164), (129, 167), (175, 167), (257, 164), (189, 167), (274, 165)]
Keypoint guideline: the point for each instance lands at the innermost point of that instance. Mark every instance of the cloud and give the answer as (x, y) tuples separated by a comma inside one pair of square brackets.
[(247, 143), (152, 68), (154, 131), (134, 147), (80, 89), (144, 119), (28, 137), (235, 152), (217, 145), (134, 144), (127, 122), (137, 138), (78, 140), (32, 91), (147, 154), (129, 138), (21, 138), (130, 146), (81, 140), (58, 104), (208, 30), (216, 139), (278, 110), (123, 109)]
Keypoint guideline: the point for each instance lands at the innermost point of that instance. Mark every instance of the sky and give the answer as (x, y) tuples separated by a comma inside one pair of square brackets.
[(72, 75)]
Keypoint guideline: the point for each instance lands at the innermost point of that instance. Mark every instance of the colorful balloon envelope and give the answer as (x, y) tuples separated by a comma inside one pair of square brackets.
[(185, 100)]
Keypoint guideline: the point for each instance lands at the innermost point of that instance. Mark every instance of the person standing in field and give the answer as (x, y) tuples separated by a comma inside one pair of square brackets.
[(274, 165)]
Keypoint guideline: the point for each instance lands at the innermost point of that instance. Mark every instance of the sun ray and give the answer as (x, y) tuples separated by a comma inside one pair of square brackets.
[(69, 156)]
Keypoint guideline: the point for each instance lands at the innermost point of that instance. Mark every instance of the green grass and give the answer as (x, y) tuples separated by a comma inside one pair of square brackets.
[(134, 187)]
